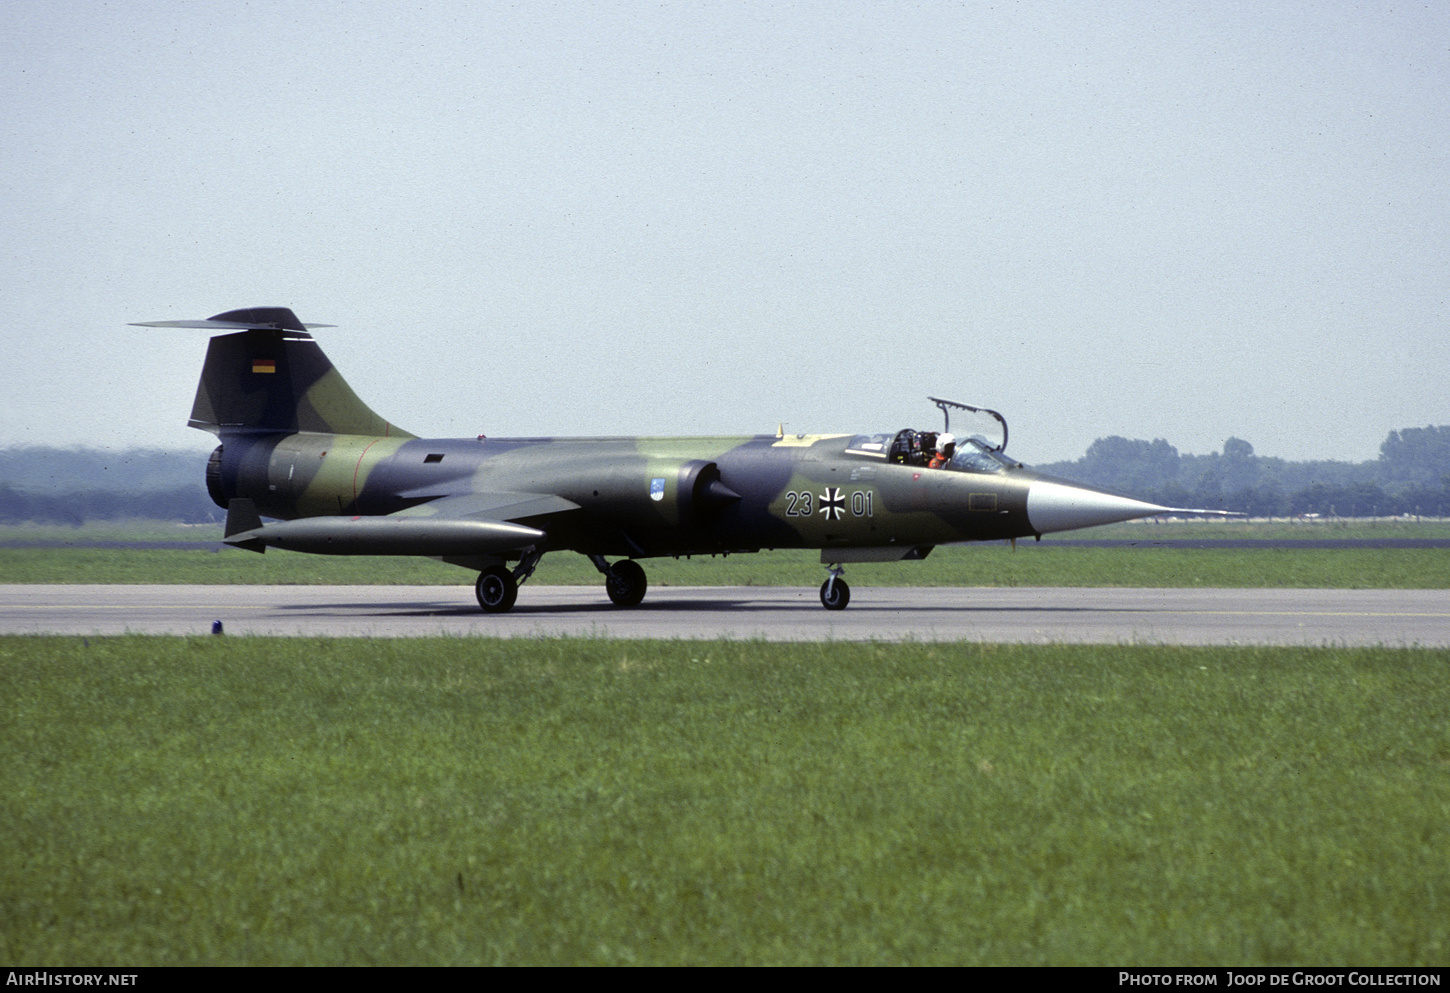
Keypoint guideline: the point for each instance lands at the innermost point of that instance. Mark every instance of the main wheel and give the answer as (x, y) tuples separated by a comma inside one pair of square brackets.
[(496, 590), (625, 583), (835, 596)]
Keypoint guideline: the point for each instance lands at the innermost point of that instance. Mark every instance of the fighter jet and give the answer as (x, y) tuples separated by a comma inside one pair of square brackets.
[(298, 446)]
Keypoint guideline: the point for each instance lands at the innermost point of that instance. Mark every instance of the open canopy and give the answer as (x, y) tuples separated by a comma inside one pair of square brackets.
[(978, 439)]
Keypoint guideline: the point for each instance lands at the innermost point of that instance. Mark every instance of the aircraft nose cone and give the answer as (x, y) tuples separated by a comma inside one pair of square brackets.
[(1060, 507)]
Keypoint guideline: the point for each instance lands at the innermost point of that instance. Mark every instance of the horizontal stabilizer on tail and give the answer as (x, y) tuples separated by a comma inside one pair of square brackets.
[(246, 319)]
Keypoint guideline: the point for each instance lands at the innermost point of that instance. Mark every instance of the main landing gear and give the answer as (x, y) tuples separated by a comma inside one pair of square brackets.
[(835, 594), (497, 589), (624, 581), (498, 586)]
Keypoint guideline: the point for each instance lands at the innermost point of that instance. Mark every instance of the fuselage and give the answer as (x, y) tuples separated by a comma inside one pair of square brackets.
[(639, 496)]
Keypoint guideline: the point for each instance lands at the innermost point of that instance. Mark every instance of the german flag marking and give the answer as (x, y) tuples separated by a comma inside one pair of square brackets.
[(264, 365)]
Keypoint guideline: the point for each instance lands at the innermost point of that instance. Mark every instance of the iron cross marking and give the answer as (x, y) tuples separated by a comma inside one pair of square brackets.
[(833, 504)]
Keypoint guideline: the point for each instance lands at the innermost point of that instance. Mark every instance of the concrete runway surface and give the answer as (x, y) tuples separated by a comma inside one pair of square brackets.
[(1019, 615)]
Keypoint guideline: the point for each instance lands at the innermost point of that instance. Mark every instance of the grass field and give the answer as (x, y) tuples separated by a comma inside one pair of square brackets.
[(248, 801), (980, 565), (1057, 563)]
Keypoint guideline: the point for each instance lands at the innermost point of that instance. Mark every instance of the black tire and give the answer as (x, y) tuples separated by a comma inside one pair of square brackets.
[(835, 596), (496, 590), (626, 583)]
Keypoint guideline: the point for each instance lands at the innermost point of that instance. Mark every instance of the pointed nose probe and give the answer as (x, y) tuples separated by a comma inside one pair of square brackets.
[(1060, 507)]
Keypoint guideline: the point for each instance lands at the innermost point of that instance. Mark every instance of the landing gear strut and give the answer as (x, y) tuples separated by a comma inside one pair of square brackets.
[(835, 594), (624, 581), (498, 587)]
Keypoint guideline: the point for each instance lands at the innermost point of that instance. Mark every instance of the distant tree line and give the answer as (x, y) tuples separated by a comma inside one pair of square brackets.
[(187, 504), (39, 469), (74, 485), (1411, 476)]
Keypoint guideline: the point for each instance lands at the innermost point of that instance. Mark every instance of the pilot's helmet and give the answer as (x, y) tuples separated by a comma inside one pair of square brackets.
[(945, 442)]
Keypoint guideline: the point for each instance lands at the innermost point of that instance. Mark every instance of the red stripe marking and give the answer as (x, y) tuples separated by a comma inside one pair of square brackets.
[(358, 468)]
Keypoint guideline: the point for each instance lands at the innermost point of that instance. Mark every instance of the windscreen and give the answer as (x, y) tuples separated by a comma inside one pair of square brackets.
[(972, 456)]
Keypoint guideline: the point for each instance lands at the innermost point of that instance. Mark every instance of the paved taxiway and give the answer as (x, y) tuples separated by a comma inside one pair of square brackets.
[(1025, 615)]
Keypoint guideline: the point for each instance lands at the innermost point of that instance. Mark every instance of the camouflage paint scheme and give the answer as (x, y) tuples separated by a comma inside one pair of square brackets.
[(298, 445)]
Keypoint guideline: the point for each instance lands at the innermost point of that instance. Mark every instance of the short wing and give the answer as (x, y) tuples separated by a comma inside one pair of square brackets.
[(491, 507)]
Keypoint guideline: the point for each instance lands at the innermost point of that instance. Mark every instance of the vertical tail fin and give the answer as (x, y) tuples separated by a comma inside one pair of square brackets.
[(271, 376)]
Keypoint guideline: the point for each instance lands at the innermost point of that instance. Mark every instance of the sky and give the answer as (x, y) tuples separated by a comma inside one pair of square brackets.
[(1159, 219)]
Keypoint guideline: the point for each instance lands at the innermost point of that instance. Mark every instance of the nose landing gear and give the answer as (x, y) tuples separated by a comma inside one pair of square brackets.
[(835, 594)]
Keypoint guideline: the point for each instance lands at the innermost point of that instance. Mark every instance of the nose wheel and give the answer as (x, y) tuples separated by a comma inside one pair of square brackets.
[(835, 594)]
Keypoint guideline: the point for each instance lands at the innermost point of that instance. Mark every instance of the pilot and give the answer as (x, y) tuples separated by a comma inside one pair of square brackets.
[(946, 447)]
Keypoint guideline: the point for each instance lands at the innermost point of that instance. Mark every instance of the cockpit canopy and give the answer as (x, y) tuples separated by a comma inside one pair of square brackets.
[(979, 441), (916, 448)]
